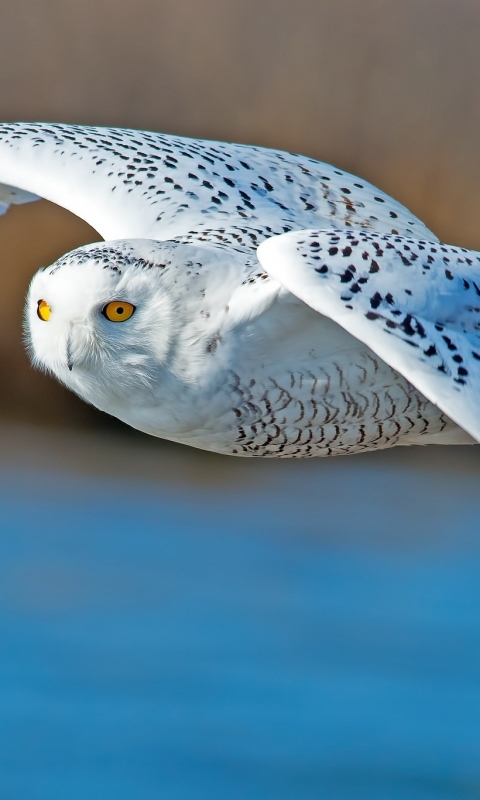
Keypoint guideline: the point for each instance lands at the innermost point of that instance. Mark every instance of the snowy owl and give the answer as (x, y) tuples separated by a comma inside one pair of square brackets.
[(246, 301)]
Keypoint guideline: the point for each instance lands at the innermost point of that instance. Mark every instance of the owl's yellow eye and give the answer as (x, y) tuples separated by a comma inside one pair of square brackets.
[(43, 310), (118, 311)]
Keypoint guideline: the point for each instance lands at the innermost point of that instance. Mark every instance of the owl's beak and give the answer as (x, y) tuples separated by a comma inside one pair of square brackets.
[(69, 350)]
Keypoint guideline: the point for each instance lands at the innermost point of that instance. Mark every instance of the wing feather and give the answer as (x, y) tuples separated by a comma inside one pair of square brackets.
[(415, 303), (136, 184)]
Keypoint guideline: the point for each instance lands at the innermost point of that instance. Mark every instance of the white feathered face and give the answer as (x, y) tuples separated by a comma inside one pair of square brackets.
[(99, 319)]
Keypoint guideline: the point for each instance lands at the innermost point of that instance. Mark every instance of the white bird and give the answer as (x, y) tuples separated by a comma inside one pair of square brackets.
[(246, 301)]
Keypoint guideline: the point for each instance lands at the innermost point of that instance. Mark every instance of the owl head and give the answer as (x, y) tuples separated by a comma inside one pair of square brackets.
[(124, 324)]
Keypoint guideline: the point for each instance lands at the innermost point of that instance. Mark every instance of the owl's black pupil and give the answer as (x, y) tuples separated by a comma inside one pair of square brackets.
[(120, 310)]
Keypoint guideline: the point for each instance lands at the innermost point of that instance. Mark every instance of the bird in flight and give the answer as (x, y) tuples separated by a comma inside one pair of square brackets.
[(244, 300)]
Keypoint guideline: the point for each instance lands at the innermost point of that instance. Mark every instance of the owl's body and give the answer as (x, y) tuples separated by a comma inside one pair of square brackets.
[(326, 339), (219, 357)]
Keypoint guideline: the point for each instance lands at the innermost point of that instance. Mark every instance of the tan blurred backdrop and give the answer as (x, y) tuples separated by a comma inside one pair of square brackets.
[(388, 89)]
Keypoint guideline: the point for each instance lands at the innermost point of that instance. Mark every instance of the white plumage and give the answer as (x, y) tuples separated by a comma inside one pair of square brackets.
[(269, 304)]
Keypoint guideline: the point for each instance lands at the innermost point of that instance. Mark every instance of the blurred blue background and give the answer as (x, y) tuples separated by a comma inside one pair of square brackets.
[(180, 626), (192, 626)]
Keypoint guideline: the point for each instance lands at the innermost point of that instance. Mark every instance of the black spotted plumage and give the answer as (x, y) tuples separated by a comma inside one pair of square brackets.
[(422, 319), (129, 183)]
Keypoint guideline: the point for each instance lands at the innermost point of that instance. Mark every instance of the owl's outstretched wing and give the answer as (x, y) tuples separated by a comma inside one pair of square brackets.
[(135, 184), (415, 303)]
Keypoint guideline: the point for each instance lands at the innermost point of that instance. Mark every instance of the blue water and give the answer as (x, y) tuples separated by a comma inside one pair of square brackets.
[(311, 633)]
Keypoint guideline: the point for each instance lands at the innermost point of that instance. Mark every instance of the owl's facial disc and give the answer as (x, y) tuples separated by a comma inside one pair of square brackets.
[(92, 319), (115, 311)]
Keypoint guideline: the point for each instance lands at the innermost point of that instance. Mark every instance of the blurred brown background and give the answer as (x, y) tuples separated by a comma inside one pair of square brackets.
[(387, 89)]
